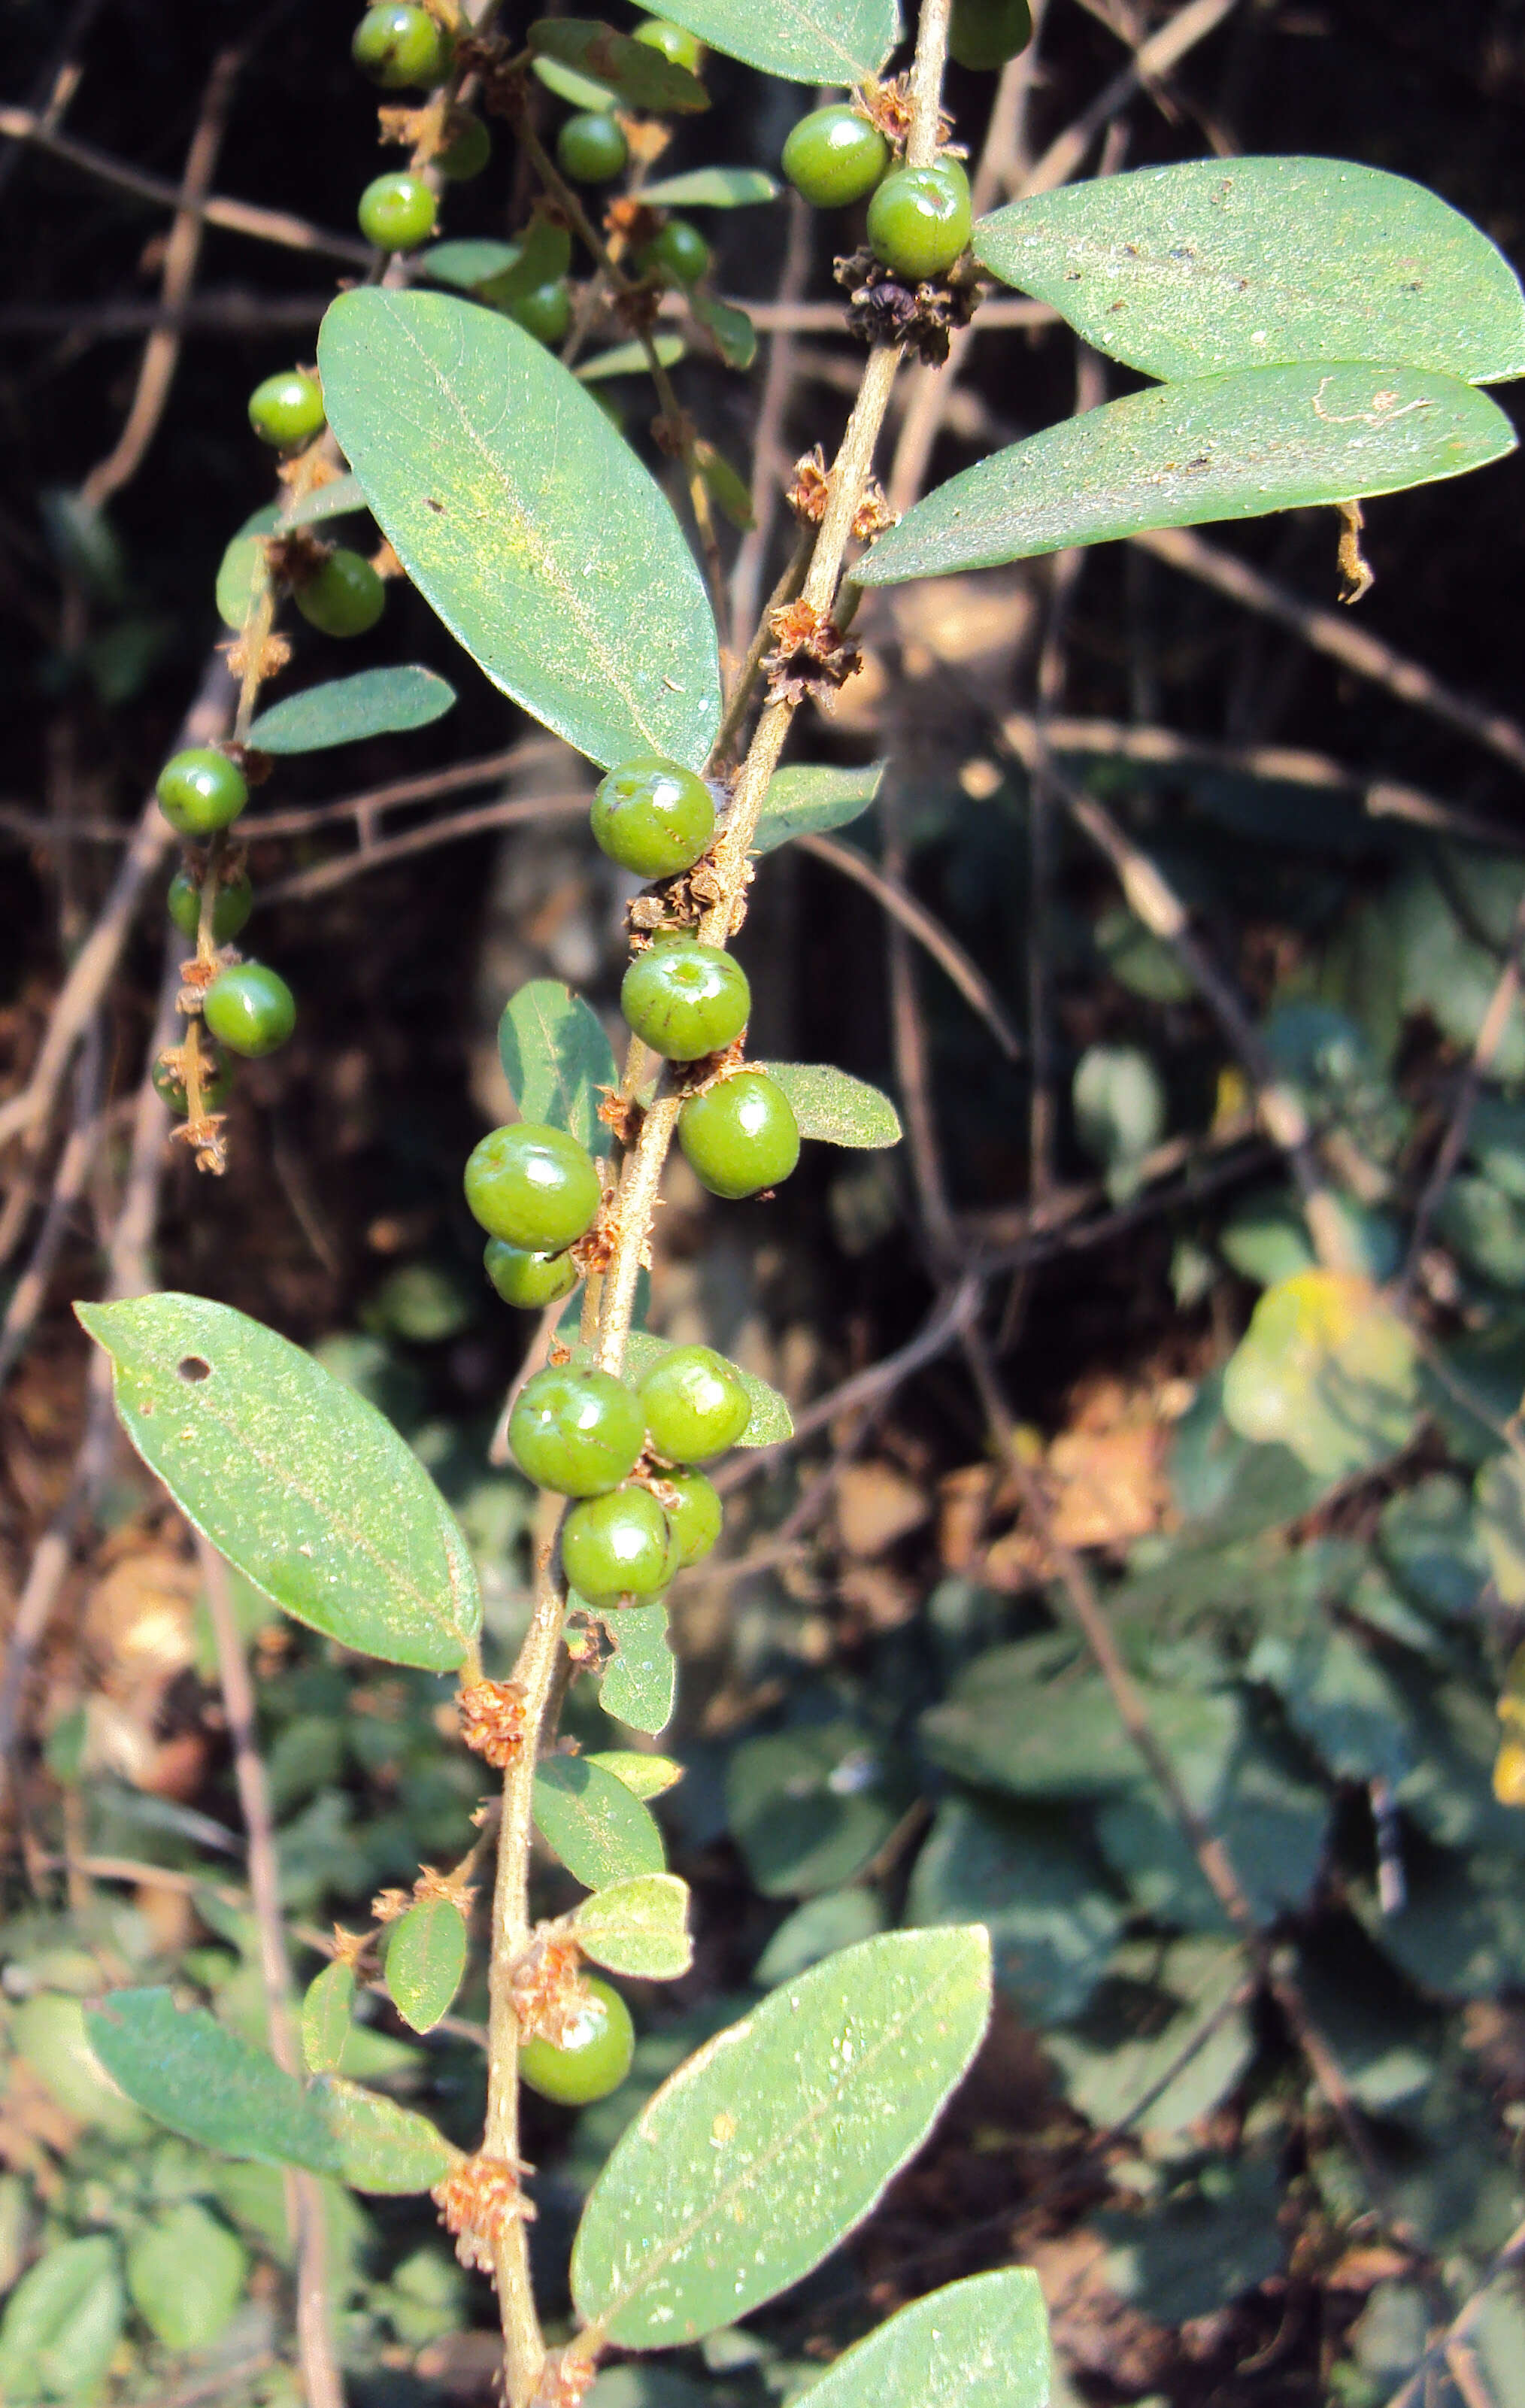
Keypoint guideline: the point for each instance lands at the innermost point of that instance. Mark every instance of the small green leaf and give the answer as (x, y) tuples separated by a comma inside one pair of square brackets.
[(638, 1927), (805, 41), (727, 490), (648, 1776), (298, 1481), (1218, 264), (235, 576), (186, 2274), (556, 1057), (1211, 2240), (48, 2032), (1052, 1921), (810, 1808), (629, 359), (807, 798), (340, 498), (770, 1423), (834, 1108), (1328, 1369), (711, 188), (1164, 2016), (640, 76), (207, 2084), (325, 2017), (639, 1683), (524, 520), (601, 1832), (425, 1961), (784, 2129), (62, 2323), (578, 92), (837, 1918), (979, 2343), (730, 329), (1221, 447), (468, 263), (377, 702), (379, 2145), (1119, 1101), (542, 254)]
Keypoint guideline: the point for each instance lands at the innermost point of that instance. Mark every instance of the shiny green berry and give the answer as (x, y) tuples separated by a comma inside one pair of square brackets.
[(590, 148), (593, 2060), (985, 34), (397, 45), (576, 1432), (287, 409), (345, 599), (919, 219), (653, 816), (250, 1009), (694, 1404), (232, 907), (693, 1519), (468, 150), (545, 312), (617, 1546), (684, 999), (674, 42), (740, 1136), (524, 1277), (833, 157), (678, 251), (216, 1079), (201, 791), (397, 211), (534, 1185)]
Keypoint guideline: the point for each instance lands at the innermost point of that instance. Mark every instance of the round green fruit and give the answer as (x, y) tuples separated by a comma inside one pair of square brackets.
[(534, 1185), (397, 212), (679, 252), (578, 1433), (694, 1521), (740, 1136), (345, 599), (397, 45), (590, 148), (985, 34), (593, 2059), (617, 1546), (250, 1008), (524, 1277), (653, 816), (287, 409), (232, 907), (919, 219), (201, 791), (694, 1404), (216, 1079), (834, 156), (468, 150), (545, 312), (676, 43), (684, 999)]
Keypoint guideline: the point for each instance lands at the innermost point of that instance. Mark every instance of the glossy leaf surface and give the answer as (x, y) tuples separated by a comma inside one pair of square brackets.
[(805, 41), (638, 1685), (426, 1958), (377, 702), (638, 1927), (556, 1057), (597, 1827), (190, 2072), (981, 2343), (808, 798), (834, 1108)]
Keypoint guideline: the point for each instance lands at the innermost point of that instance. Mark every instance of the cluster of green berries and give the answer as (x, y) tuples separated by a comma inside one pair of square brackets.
[(919, 219), (248, 1008), (403, 48)]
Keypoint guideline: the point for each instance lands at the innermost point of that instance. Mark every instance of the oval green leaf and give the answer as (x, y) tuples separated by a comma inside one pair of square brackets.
[(629, 359), (639, 1683), (325, 2017), (807, 798), (649, 1776), (712, 188), (770, 1423), (834, 1108), (730, 329), (556, 1058), (1220, 447), (520, 515), (235, 575), (598, 1828), (62, 2323), (765, 2150), (340, 498), (638, 1927), (426, 1961), (805, 41), (377, 702), (300, 1483), (639, 75), (192, 2073), (186, 2274), (1219, 263), (980, 2344), (578, 92), (468, 263), (379, 2145), (1327, 1368)]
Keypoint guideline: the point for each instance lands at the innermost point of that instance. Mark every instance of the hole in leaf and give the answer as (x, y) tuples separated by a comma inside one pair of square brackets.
[(194, 1367)]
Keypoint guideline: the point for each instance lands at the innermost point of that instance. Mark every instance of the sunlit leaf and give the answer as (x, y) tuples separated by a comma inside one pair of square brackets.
[(711, 188), (1328, 1369), (834, 1108), (639, 1683), (649, 1776), (980, 2344), (326, 2009), (598, 1828), (730, 329), (629, 359), (467, 263), (62, 2322), (376, 702), (380, 2146), (638, 1927), (188, 2072), (638, 74), (186, 2272), (425, 1961), (556, 1057), (808, 798), (339, 498), (806, 41)]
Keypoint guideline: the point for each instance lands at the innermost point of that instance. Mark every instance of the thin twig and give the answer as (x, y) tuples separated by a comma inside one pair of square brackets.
[(1510, 2258), (896, 898)]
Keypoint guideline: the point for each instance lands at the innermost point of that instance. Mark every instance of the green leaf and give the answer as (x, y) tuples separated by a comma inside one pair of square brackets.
[(1224, 447), (326, 2017), (629, 359), (48, 2032), (578, 92), (186, 2274), (1500, 1497), (1461, 1931), (382, 2146), (727, 490), (780, 2134), (1340, 1700), (542, 254), (805, 41), (730, 329), (711, 188), (979, 2343), (1209, 2242), (1052, 1922), (1119, 1101), (601, 1832), (638, 1927), (639, 75), (340, 498), (1022, 1719), (468, 263), (207, 2084), (639, 1683), (377, 702), (1156, 2011), (526, 521), (649, 1776), (235, 576), (1427, 1535), (808, 1808), (297, 1479), (834, 1108), (425, 1961), (62, 2324), (807, 798), (1217, 264), (1272, 1816), (556, 1057), (770, 1423), (838, 1918), (1328, 1369)]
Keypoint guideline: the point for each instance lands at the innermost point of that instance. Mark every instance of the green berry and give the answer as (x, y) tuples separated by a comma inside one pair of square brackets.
[(919, 219), (216, 1079), (545, 312), (833, 157), (468, 150), (524, 1277), (590, 148), (617, 1546), (345, 599), (593, 2060), (653, 816), (399, 45), (694, 1404), (740, 1136), (397, 212), (251, 1008), (201, 791), (684, 999), (534, 1185), (694, 1520), (234, 904), (288, 410), (985, 34), (674, 42), (576, 1432), (679, 251)]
